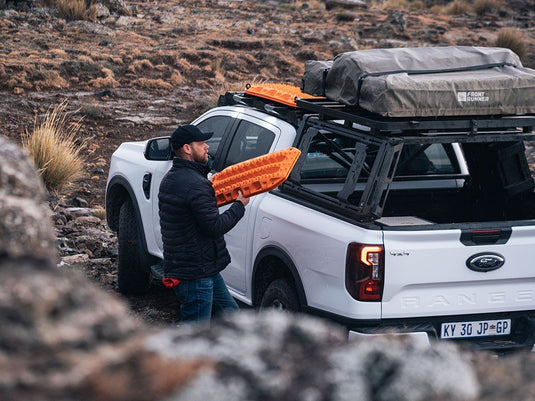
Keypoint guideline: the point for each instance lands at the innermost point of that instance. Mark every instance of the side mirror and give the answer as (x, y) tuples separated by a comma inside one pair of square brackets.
[(159, 149)]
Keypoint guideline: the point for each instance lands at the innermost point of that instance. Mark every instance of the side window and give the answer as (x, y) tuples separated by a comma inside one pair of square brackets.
[(329, 156), (427, 160), (251, 140), (217, 125)]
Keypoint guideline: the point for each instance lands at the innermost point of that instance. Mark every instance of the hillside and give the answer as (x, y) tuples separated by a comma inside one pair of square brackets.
[(142, 68)]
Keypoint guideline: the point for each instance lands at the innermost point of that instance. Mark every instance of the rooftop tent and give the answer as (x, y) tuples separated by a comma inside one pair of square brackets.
[(427, 81)]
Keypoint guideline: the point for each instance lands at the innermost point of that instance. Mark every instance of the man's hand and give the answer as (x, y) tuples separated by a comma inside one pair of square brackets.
[(242, 199)]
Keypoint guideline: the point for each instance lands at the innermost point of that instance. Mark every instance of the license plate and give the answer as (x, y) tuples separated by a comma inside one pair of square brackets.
[(477, 328)]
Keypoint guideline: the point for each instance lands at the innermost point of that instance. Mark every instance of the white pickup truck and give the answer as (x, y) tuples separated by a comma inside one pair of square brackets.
[(421, 226)]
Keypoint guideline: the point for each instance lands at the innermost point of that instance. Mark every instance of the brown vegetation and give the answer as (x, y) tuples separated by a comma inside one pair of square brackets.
[(56, 149), (512, 38)]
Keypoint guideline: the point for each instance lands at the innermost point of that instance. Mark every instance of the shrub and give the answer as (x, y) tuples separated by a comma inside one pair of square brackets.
[(482, 6), (513, 39), (55, 149), (457, 7), (76, 10)]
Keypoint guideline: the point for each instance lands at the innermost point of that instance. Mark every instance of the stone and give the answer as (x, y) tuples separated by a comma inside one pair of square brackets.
[(25, 219)]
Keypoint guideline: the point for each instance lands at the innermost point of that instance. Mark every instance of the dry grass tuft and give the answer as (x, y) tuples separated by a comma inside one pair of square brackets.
[(153, 83), (100, 212), (457, 7), (176, 78), (398, 5), (107, 82), (140, 65), (19, 81), (481, 7), (513, 39), (55, 148), (76, 10), (43, 79)]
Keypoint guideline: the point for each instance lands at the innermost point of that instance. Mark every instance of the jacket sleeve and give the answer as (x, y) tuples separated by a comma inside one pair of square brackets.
[(203, 204)]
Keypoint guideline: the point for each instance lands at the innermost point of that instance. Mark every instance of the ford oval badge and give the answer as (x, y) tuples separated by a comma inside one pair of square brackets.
[(485, 262)]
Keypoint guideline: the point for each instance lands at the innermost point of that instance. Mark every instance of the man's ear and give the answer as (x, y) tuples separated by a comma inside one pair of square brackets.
[(186, 149)]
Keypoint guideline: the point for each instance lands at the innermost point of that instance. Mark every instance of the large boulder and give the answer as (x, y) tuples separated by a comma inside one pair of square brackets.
[(273, 356), (25, 227)]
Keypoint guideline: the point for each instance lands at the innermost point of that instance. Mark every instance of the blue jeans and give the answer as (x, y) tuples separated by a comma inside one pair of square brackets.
[(200, 299)]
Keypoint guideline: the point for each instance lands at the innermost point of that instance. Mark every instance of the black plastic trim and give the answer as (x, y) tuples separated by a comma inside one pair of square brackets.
[(486, 237)]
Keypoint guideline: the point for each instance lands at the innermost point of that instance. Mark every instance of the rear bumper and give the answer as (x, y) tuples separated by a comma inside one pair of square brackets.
[(426, 330)]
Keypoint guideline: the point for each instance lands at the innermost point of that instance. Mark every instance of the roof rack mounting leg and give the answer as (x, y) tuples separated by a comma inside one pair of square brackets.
[(473, 127)]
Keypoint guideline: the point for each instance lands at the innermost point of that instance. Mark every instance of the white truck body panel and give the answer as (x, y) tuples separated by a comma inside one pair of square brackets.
[(427, 274)]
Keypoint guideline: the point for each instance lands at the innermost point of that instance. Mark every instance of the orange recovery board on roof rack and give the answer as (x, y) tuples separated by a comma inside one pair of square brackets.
[(281, 93), (254, 176)]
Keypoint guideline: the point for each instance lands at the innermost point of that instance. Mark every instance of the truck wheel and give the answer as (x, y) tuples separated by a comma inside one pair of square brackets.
[(133, 274), (280, 295)]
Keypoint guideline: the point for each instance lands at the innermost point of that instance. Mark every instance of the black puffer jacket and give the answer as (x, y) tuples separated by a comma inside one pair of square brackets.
[(192, 228)]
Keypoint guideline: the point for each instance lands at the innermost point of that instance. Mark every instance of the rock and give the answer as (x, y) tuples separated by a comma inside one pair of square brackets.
[(279, 356), (345, 4), (124, 21), (93, 28), (75, 259), (25, 229), (116, 6), (79, 202), (102, 11), (75, 212)]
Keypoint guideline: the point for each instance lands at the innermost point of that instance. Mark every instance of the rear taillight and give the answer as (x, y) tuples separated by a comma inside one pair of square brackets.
[(365, 271)]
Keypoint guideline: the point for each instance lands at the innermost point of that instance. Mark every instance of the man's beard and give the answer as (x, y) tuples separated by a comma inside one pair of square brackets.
[(200, 158)]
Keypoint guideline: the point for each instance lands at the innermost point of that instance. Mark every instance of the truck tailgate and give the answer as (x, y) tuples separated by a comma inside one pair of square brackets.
[(427, 274)]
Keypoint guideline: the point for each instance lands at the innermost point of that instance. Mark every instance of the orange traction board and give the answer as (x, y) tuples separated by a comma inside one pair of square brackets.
[(254, 176), (280, 93)]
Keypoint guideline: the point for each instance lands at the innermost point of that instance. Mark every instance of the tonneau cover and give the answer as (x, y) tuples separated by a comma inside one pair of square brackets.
[(426, 81)]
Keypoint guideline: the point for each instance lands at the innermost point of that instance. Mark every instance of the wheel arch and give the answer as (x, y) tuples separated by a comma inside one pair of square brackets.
[(270, 264), (117, 191)]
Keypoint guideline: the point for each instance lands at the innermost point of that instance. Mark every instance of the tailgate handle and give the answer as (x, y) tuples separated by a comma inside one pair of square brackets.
[(485, 237)]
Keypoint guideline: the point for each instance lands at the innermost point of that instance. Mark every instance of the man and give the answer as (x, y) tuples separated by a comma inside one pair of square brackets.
[(192, 229)]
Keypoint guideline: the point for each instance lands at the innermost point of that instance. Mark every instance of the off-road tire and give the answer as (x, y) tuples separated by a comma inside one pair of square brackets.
[(133, 272), (280, 295)]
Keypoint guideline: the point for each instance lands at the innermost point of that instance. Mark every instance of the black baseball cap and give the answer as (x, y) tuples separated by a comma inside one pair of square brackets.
[(187, 134)]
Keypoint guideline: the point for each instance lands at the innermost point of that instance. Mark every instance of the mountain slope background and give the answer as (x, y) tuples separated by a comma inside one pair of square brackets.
[(141, 68)]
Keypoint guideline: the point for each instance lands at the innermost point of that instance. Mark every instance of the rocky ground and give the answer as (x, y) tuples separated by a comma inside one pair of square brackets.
[(142, 67)]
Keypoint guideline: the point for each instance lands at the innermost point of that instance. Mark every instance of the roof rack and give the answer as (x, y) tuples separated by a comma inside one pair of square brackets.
[(469, 125), (290, 104)]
